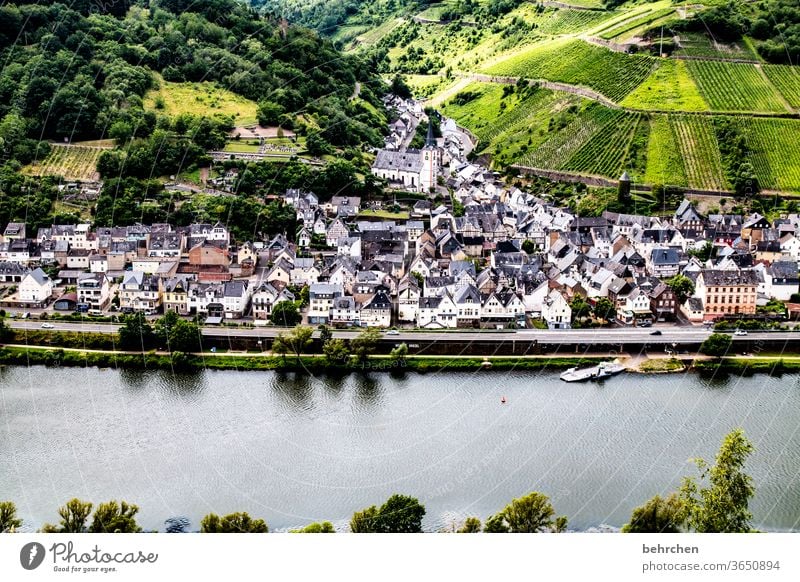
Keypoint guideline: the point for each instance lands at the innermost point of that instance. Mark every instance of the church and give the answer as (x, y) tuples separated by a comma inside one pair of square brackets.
[(414, 170)]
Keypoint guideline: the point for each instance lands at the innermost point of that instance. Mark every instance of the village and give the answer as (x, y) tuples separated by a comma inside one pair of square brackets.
[(495, 257)]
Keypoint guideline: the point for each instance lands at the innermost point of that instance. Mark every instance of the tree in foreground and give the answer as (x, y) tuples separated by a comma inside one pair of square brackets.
[(293, 342), (136, 333), (682, 286), (719, 503), (233, 523), (319, 527), (113, 517), (74, 514), (336, 351), (8, 517), (471, 525), (363, 345), (658, 515), (717, 344), (400, 514), (532, 513)]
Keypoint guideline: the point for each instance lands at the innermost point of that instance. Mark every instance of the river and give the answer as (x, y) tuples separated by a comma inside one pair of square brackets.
[(295, 449)]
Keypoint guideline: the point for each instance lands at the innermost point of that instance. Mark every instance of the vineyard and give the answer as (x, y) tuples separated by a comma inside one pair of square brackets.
[(578, 63), (607, 150), (776, 151), (565, 21), (669, 88), (700, 152), (735, 87), (72, 162), (634, 23), (698, 44), (664, 162), (787, 81)]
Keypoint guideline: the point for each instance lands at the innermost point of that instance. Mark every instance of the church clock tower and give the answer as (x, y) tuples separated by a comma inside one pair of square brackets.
[(431, 158)]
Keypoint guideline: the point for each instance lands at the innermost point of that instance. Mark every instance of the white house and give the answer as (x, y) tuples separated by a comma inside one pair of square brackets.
[(556, 312), (321, 297), (93, 290), (408, 299), (35, 287), (437, 312), (236, 298), (377, 311)]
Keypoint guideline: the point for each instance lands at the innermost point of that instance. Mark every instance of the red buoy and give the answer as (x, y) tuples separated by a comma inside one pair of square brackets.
[(503, 400)]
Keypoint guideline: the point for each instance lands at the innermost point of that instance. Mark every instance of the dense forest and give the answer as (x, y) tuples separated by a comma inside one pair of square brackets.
[(80, 70)]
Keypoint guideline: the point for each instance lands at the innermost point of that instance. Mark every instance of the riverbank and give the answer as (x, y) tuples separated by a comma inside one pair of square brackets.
[(17, 355), (178, 361)]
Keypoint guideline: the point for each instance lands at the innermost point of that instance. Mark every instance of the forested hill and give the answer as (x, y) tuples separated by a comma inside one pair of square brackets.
[(75, 69)]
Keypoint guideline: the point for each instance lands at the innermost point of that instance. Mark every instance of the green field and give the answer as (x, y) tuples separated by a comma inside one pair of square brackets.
[(664, 161), (578, 63), (72, 162), (775, 144), (566, 21), (787, 80), (735, 87), (700, 152), (203, 99), (669, 88)]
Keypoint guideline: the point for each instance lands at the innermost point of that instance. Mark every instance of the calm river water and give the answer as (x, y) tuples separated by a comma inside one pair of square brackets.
[(294, 449)]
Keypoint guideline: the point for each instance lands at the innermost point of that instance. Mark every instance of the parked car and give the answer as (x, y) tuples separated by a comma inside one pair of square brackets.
[(740, 332), (392, 332), (46, 325), (655, 332)]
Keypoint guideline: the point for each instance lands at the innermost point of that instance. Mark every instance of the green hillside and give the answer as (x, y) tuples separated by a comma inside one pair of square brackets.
[(635, 86)]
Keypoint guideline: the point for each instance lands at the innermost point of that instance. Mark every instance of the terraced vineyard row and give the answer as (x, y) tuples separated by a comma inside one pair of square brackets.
[(633, 23), (607, 149), (735, 87), (517, 120), (787, 80), (566, 21), (699, 151), (558, 149), (71, 162), (578, 63), (776, 151)]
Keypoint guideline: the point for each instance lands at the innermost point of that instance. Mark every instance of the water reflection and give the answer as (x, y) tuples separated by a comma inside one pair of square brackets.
[(295, 389), (369, 390)]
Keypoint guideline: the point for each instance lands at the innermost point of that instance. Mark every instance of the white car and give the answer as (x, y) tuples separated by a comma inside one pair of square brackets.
[(740, 332), (392, 332), (46, 325)]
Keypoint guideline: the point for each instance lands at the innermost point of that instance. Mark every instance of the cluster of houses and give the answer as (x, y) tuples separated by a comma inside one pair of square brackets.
[(511, 258), (504, 259)]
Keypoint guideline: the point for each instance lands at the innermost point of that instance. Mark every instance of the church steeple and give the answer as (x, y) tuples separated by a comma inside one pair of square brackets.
[(430, 141)]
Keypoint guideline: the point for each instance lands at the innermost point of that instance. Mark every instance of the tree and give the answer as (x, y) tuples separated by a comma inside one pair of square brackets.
[(400, 88), (580, 307), (399, 353), (400, 514), (317, 145), (285, 313), (5, 331), (336, 351), (320, 527), (324, 333), (363, 345), (294, 341), (8, 517), (529, 246), (532, 513), (269, 113), (471, 525), (604, 309), (136, 333), (233, 523), (177, 334), (717, 344), (682, 286), (722, 505), (658, 515), (113, 517), (73, 517)]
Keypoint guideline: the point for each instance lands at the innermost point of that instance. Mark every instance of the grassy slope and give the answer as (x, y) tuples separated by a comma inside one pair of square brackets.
[(205, 99), (664, 161), (75, 162), (669, 87)]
